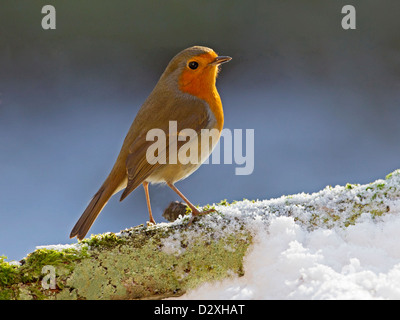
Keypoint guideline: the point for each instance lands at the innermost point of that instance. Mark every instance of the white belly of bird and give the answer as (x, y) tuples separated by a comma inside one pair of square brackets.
[(173, 172)]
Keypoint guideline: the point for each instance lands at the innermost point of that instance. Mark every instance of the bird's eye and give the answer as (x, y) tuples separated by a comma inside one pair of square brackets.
[(193, 65)]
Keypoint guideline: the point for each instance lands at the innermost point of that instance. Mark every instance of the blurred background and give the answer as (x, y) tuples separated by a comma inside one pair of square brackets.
[(324, 102)]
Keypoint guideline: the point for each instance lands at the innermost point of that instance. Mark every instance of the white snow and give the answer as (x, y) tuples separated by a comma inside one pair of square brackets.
[(288, 260), (59, 247)]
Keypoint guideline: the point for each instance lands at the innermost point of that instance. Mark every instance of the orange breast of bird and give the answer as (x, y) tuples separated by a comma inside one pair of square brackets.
[(203, 87)]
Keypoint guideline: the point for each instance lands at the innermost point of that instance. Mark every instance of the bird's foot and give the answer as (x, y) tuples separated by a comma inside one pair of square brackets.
[(196, 213), (151, 223)]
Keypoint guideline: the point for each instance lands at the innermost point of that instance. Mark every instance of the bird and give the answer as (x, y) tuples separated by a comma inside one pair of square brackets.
[(185, 93)]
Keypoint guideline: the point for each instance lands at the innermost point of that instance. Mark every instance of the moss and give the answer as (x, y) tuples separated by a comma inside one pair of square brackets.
[(352, 219), (8, 276), (8, 273), (24, 281), (141, 266), (223, 203), (31, 270), (7, 294), (380, 186), (392, 174), (378, 213), (207, 207), (103, 240), (150, 271)]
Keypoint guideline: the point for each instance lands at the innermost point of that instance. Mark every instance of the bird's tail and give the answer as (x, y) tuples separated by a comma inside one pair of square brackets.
[(95, 206)]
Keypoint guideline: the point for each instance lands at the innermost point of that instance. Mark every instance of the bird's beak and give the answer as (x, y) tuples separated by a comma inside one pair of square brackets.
[(220, 60)]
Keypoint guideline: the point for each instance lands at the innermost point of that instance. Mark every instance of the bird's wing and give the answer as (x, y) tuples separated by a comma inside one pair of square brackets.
[(187, 113)]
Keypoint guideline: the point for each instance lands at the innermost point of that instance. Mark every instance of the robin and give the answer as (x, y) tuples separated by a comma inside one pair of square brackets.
[(185, 93)]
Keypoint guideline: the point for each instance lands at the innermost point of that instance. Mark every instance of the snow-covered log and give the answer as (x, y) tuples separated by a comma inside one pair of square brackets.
[(172, 259)]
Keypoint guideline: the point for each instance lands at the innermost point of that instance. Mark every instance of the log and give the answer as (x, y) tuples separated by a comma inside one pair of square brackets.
[(168, 259)]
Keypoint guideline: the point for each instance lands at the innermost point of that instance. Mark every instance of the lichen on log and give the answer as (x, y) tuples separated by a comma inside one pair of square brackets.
[(154, 262)]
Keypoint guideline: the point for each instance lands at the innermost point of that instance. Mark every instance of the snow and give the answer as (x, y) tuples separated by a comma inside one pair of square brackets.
[(288, 259), (59, 247), (289, 262)]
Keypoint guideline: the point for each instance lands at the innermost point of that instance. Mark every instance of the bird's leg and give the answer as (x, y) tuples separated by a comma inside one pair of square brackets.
[(195, 212), (146, 190)]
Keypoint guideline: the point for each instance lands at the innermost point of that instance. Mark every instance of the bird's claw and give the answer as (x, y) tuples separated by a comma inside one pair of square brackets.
[(196, 213)]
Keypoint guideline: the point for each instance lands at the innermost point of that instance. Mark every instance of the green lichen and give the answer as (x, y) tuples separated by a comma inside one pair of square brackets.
[(24, 281), (350, 186), (63, 259), (132, 265), (223, 203), (393, 174), (380, 186), (8, 276), (8, 272), (142, 267), (103, 240)]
